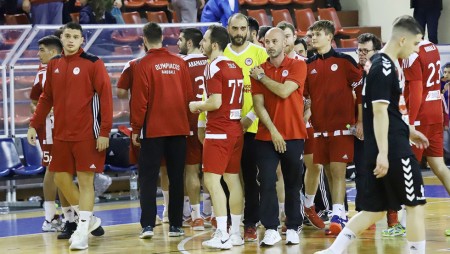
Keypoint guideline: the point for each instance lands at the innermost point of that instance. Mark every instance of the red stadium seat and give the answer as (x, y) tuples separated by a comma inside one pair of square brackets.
[(349, 43), (157, 3), (303, 2), (330, 14), (280, 2), (75, 16), (281, 15), (131, 17), (261, 16), (128, 35), (123, 50), (134, 4), (161, 17), (304, 18), (257, 2), (16, 19)]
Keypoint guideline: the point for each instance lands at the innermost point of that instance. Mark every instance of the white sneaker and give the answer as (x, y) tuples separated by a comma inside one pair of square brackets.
[(79, 240), (217, 242), (165, 218), (236, 239), (158, 221), (53, 226), (271, 237), (292, 237), (94, 223)]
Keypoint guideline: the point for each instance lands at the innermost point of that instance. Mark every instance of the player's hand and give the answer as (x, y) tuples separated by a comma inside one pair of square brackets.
[(26, 6), (193, 106), (31, 136), (255, 71), (201, 132), (102, 143), (135, 139), (382, 165), (246, 123), (359, 130), (278, 141), (418, 139)]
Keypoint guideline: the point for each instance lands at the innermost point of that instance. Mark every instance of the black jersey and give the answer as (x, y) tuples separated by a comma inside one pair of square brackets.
[(382, 85)]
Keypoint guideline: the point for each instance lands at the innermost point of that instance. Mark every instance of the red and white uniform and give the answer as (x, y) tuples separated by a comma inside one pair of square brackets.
[(423, 96), (222, 149), (45, 132), (196, 64)]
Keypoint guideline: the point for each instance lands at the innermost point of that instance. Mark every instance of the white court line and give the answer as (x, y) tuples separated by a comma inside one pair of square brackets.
[(182, 243)]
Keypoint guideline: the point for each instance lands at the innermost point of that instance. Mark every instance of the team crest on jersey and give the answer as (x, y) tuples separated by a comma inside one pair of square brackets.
[(334, 67), (248, 61), (76, 70), (285, 73)]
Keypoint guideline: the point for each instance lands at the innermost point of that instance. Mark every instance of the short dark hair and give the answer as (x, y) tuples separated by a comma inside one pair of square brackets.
[(283, 25), (58, 32), (72, 25), (52, 42), (409, 24), (253, 24), (152, 32), (262, 31), (300, 41), (447, 65), (366, 37), (325, 25), (220, 36), (239, 16), (193, 34)]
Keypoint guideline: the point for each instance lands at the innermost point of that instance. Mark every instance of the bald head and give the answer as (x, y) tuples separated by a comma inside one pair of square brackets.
[(275, 42)]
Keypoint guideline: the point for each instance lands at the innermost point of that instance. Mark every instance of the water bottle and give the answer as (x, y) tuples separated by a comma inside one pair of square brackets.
[(134, 194), (352, 129)]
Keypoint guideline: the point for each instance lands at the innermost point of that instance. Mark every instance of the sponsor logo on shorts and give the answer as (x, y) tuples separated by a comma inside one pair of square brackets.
[(93, 166), (345, 157)]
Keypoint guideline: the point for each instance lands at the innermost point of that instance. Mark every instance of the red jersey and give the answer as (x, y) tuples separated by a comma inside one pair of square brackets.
[(79, 90), (126, 78), (161, 92), (45, 132), (196, 64), (424, 102), (329, 83), (224, 77), (286, 114)]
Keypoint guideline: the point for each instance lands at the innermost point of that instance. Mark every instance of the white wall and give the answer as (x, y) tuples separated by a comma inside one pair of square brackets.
[(383, 12)]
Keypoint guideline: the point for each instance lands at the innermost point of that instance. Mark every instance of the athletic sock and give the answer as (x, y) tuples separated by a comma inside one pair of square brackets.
[(338, 209), (50, 210), (195, 213), (343, 240), (403, 217), (236, 224), (76, 210), (186, 207), (416, 247), (68, 213), (222, 223), (206, 204), (212, 212), (309, 200), (280, 209), (85, 218)]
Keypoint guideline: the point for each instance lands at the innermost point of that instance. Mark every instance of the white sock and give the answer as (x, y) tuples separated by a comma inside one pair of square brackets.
[(403, 217), (212, 212), (206, 204), (186, 207), (309, 200), (76, 210), (236, 224), (85, 218), (416, 247), (166, 200), (50, 210), (343, 240), (68, 214), (195, 213), (338, 209), (222, 223)]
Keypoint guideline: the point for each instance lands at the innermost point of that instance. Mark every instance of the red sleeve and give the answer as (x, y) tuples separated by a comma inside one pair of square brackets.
[(102, 86), (297, 73), (257, 87), (126, 78), (45, 103), (139, 100), (36, 90), (413, 76), (354, 74), (186, 78), (214, 84)]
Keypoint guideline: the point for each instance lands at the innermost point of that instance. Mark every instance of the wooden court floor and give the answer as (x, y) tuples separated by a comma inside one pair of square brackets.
[(123, 238)]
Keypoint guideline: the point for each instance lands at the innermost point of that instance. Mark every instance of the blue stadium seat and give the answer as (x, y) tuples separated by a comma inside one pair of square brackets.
[(31, 154), (19, 168), (9, 158)]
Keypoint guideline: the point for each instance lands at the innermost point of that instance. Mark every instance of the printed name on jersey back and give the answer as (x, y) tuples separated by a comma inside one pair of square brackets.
[(197, 63), (167, 68)]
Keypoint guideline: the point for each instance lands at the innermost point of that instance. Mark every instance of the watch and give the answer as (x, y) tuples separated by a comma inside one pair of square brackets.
[(260, 76)]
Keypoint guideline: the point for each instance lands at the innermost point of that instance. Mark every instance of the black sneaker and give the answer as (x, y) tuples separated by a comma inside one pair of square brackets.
[(175, 231), (147, 233), (98, 231), (68, 230)]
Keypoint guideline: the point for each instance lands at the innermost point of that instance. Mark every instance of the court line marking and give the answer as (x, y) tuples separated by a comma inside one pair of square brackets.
[(185, 240)]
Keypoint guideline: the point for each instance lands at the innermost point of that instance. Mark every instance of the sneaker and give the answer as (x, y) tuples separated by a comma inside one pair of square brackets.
[(165, 218), (198, 225), (271, 237), (207, 221), (187, 222), (158, 221), (292, 237), (396, 230), (324, 216), (312, 216), (98, 231), (52, 226), (236, 239), (337, 224), (68, 230), (147, 233), (250, 234), (175, 231), (220, 240), (95, 227), (79, 240), (213, 222)]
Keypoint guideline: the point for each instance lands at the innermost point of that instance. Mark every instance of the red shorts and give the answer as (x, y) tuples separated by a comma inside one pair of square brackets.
[(193, 150), (435, 135), (223, 155), (309, 143), (46, 148), (71, 156), (333, 149), (134, 154)]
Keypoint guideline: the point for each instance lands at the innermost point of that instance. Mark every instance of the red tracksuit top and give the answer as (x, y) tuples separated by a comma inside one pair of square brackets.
[(161, 92), (79, 90)]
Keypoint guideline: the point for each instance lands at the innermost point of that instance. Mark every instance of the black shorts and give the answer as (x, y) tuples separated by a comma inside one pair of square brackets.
[(402, 185)]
